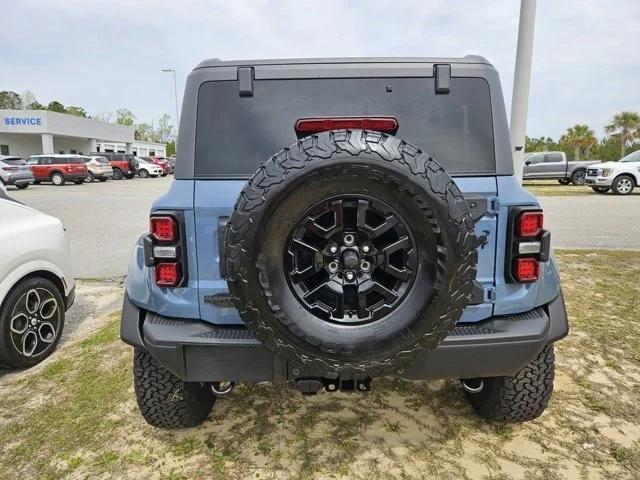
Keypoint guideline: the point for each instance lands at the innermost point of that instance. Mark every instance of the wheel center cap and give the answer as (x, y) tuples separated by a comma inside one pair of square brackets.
[(350, 259)]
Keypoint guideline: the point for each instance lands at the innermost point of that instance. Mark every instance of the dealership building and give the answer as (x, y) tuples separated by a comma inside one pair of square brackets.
[(33, 132)]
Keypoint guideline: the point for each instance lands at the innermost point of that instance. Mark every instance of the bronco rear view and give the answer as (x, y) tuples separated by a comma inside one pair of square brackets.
[(333, 221)]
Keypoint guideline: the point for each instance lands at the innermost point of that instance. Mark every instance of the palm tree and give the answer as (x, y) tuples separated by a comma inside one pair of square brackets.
[(624, 128), (581, 138)]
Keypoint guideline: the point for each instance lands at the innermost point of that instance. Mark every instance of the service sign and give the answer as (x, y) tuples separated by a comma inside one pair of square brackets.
[(22, 121)]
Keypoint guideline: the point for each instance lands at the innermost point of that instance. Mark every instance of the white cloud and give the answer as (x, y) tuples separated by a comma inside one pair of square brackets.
[(108, 54)]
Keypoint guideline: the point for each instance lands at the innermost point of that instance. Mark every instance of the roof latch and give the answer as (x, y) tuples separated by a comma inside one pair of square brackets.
[(442, 74), (245, 81)]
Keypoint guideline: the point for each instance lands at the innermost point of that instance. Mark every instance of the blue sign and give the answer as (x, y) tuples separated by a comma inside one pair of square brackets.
[(23, 121)]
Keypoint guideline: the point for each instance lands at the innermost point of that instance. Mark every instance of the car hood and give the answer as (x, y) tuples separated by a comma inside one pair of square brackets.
[(603, 164)]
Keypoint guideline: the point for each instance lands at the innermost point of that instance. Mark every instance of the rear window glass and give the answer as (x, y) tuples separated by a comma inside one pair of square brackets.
[(236, 134)]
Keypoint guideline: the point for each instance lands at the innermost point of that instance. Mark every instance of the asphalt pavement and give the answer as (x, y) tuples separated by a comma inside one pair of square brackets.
[(104, 220)]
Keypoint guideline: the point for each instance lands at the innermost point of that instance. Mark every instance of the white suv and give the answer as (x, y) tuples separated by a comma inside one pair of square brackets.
[(147, 169), (36, 283), (619, 177)]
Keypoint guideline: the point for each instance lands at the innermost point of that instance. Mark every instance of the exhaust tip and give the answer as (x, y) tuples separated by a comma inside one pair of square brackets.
[(472, 385), (222, 388)]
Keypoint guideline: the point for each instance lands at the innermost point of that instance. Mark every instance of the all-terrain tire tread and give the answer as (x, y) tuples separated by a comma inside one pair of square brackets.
[(522, 397), (166, 401), (317, 148)]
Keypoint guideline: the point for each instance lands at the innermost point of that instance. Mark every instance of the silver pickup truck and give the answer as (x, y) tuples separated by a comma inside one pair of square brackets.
[(554, 166)]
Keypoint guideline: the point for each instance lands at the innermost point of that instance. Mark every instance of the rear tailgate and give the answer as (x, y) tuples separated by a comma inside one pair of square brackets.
[(213, 200)]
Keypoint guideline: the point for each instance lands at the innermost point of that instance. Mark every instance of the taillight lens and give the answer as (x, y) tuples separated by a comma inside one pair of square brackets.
[(10, 169), (530, 224), (163, 228), (168, 274), (316, 125), (526, 269)]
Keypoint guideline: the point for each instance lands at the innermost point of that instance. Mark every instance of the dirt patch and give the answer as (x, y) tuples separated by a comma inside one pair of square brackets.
[(77, 417)]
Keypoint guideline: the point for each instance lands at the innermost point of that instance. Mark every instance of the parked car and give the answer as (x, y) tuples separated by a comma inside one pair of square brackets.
[(620, 177), (148, 169), (161, 162), (350, 253), (125, 165), (58, 169), (554, 166), (15, 171), (36, 283), (98, 168)]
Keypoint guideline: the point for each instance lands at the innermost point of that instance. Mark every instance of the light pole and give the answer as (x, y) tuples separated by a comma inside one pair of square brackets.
[(521, 78), (175, 95)]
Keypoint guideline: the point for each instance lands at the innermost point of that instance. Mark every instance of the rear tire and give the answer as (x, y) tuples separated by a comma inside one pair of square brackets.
[(143, 173), (520, 398), (117, 174), (90, 177), (623, 185), (577, 178), (58, 179), (164, 400), (601, 189), (22, 186)]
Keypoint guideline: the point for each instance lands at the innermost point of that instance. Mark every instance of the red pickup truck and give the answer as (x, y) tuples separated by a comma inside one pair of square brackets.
[(124, 165), (58, 169)]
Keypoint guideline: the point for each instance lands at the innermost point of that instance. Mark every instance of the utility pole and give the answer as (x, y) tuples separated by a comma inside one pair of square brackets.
[(521, 80)]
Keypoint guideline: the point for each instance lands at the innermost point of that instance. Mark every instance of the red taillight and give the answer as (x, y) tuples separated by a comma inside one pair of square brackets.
[(316, 125), (526, 269), (163, 228), (168, 274), (530, 224)]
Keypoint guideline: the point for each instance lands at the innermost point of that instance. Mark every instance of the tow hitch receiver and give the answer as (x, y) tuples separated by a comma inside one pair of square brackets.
[(312, 385)]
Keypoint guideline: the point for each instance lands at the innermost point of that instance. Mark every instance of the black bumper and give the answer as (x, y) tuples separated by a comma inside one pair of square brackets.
[(199, 351)]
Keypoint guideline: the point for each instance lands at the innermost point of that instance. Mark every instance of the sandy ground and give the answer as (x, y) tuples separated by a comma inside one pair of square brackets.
[(75, 416)]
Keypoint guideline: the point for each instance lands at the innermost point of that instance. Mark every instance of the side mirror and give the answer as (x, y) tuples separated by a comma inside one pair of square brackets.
[(528, 162)]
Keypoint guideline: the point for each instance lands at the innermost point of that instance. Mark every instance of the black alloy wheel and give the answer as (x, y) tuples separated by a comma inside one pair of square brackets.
[(350, 259)]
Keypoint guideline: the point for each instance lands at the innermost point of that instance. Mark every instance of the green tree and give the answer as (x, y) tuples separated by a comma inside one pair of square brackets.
[(580, 138), (164, 130), (143, 132), (625, 127), (77, 111), (125, 116), (541, 144), (171, 148), (56, 106), (35, 105), (10, 100)]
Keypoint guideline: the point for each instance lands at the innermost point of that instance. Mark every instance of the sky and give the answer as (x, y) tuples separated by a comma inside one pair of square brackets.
[(104, 55)]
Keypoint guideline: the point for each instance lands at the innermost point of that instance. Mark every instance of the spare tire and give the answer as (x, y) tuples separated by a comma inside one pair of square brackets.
[(350, 253)]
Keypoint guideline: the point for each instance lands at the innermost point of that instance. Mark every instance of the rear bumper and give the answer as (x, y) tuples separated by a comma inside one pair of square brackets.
[(199, 351), (19, 179)]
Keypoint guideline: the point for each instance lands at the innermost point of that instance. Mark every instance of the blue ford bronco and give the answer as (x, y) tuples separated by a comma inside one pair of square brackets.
[(333, 221)]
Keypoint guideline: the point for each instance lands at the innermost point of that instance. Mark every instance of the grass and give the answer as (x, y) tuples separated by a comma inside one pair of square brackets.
[(75, 417), (553, 188)]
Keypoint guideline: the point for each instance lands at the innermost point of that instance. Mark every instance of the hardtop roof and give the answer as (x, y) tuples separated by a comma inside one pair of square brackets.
[(216, 62)]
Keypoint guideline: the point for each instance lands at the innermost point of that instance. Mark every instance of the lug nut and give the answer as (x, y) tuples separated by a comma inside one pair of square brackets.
[(349, 239), (365, 266), (333, 249), (365, 249), (349, 276), (333, 267)]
